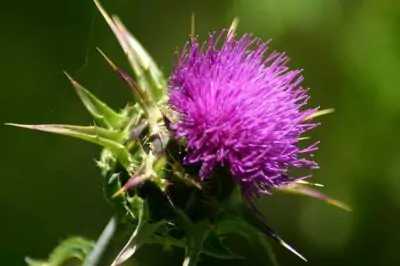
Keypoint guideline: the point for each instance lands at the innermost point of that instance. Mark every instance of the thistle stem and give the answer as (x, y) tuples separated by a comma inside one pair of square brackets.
[(99, 250)]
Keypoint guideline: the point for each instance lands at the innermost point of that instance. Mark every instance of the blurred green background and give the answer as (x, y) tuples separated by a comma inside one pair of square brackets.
[(350, 52)]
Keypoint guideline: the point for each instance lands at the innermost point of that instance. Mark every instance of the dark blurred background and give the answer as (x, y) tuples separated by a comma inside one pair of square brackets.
[(350, 52)]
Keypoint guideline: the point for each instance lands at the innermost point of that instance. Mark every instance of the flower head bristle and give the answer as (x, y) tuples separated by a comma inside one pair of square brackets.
[(237, 108)]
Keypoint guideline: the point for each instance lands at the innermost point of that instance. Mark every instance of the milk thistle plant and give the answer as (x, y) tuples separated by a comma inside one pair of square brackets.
[(185, 162)]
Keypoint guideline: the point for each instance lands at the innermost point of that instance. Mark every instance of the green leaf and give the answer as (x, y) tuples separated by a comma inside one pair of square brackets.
[(237, 225), (101, 113), (145, 69), (213, 246), (71, 248), (195, 236), (142, 234), (102, 137), (305, 190)]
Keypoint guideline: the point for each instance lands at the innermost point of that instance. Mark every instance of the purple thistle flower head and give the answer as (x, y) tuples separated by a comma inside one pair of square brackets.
[(238, 108)]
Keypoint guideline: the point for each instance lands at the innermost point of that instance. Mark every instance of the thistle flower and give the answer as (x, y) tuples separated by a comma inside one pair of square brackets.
[(239, 109), (234, 107)]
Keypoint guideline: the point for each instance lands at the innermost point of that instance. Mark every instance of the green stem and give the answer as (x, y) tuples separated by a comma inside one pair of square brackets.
[(99, 250)]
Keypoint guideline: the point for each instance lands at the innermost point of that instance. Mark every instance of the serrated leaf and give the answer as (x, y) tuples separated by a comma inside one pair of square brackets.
[(305, 190), (146, 71), (237, 225), (195, 236), (142, 234), (101, 113), (213, 246), (95, 135), (71, 248)]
